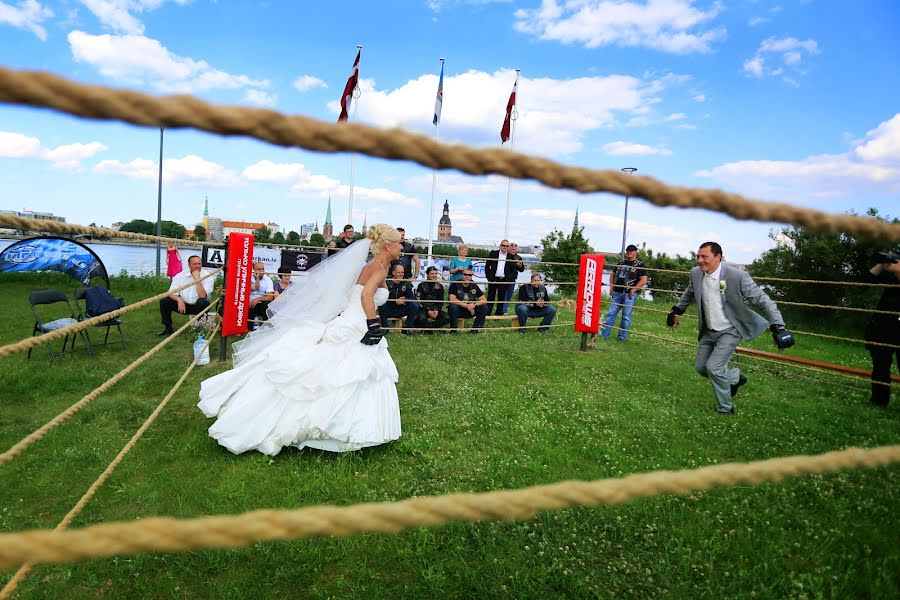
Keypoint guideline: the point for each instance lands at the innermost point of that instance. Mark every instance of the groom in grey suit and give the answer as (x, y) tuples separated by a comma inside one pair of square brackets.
[(721, 292)]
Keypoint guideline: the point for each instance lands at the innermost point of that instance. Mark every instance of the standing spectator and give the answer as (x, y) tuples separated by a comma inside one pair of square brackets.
[(884, 328), (189, 301), (261, 293), (343, 239), (534, 302), (466, 300), (284, 280), (628, 278), (460, 263), (501, 270), (430, 295), (401, 301), (724, 319), (520, 266), (409, 257)]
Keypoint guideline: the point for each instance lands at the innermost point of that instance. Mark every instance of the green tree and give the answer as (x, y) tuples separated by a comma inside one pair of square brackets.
[(262, 235), (293, 237), (278, 238), (200, 233), (661, 280), (803, 254), (317, 240), (139, 226), (172, 229), (562, 248)]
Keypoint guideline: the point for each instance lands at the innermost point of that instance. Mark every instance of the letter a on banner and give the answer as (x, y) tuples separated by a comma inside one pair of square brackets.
[(238, 265), (590, 281)]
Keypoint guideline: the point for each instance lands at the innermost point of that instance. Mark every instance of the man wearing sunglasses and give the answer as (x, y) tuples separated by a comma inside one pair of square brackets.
[(501, 270), (467, 301)]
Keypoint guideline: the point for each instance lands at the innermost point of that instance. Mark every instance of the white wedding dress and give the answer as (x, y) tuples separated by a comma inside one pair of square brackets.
[(306, 383)]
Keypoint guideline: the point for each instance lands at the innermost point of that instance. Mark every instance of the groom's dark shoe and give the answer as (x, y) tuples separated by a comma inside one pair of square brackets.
[(736, 386), (168, 331)]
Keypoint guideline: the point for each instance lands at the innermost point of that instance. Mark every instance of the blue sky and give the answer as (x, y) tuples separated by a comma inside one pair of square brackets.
[(783, 101)]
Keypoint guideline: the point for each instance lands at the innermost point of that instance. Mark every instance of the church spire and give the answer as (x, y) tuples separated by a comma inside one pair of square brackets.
[(575, 226), (328, 212)]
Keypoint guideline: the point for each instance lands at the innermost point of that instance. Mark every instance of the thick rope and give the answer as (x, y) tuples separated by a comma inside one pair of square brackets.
[(27, 567), (35, 436), (88, 323), (159, 534), (32, 88)]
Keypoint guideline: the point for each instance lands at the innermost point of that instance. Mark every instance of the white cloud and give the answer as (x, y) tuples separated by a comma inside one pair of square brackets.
[(139, 60), (438, 5), (260, 98), (755, 21), (68, 156), (629, 149), (304, 83), (698, 97), (190, 170), (788, 54), (117, 14), (870, 168), (555, 115), (27, 14), (674, 26)]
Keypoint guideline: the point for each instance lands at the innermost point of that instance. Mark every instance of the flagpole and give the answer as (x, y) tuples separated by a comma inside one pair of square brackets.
[(512, 142), (437, 137), (356, 94)]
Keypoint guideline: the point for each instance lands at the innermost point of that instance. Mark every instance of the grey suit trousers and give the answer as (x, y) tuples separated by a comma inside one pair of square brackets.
[(714, 350)]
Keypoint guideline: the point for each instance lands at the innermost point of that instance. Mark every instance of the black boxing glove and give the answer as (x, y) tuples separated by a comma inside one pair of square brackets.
[(885, 258), (783, 337), (374, 334), (670, 318)]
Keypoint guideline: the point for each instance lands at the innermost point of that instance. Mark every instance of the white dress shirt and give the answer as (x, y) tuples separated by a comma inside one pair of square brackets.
[(501, 265), (265, 287), (714, 301), (190, 295)]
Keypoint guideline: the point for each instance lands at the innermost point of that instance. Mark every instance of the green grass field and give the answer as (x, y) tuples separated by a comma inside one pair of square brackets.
[(486, 412)]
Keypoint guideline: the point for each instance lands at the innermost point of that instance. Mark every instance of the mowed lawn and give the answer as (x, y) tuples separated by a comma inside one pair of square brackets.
[(489, 412)]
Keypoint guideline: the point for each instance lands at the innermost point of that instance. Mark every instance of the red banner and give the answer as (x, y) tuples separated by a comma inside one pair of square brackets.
[(590, 282), (238, 265)]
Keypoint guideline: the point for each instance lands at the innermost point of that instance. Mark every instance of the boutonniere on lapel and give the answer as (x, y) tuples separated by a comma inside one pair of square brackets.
[(722, 285)]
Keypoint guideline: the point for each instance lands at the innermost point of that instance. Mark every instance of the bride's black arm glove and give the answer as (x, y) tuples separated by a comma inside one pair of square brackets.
[(783, 337), (374, 334)]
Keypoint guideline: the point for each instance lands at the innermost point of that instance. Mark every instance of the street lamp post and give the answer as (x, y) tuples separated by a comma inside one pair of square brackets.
[(159, 203), (628, 170)]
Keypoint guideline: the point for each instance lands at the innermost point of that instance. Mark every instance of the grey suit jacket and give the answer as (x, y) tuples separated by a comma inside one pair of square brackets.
[(739, 289)]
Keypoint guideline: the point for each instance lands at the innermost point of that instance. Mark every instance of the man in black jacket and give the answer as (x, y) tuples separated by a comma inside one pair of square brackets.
[(430, 295), (534, 302), (501, 270), (401, 300)]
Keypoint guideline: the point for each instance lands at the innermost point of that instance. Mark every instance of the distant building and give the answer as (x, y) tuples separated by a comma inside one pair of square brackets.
[(445, 229), (229, 227), (32, 214), (328, 229), (306, 230), (215, 231)]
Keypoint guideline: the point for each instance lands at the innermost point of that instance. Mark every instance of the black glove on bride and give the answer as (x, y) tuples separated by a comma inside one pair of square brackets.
[(374, 334), (670, 318), (784, 338)]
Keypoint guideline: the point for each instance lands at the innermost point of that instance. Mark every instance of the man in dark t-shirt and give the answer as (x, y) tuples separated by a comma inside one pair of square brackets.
[(628, 278), (467, 301), (401, 300), (430, 295), (409, 258)]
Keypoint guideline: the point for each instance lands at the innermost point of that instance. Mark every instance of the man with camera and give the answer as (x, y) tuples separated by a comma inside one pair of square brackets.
[(724, 319), (883, 330), (534, 302)]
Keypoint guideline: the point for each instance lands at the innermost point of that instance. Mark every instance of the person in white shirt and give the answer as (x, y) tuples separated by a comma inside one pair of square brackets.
[(189, 301), (722, 293), (262, 291)]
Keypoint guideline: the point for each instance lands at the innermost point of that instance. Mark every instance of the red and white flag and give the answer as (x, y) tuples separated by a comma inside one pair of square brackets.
[(352, 82), (507, 121)]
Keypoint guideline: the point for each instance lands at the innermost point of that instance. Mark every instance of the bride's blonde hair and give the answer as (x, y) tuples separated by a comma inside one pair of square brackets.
[(381, 234)]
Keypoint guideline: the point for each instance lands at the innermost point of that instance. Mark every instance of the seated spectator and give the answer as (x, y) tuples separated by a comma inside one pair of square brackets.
[(401, 301), (467, 301), (284, 280), (534, 303), (189, 301), (261, 293), (430, 294)]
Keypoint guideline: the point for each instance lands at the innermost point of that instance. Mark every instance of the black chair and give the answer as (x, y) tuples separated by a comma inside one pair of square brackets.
[(81, 303), (65, 316)]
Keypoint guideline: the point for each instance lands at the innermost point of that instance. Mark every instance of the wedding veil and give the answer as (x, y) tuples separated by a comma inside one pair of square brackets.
[(318, 296)]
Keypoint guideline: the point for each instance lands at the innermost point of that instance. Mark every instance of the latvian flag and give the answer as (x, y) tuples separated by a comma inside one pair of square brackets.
[(439, 101), (352, 82), (504, 131)]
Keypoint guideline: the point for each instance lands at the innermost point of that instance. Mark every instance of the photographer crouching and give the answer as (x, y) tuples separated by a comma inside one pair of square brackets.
[(884, 328)]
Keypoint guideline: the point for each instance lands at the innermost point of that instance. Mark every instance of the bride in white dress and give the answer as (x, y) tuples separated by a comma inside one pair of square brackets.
[(318, 373)]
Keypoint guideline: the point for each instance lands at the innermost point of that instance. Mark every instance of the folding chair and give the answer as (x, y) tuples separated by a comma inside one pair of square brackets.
[(81, 304), (47, 297)]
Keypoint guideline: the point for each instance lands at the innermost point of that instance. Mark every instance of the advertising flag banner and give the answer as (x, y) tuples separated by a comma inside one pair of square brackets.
[(53, 254), (236, 298), (590, 281)]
